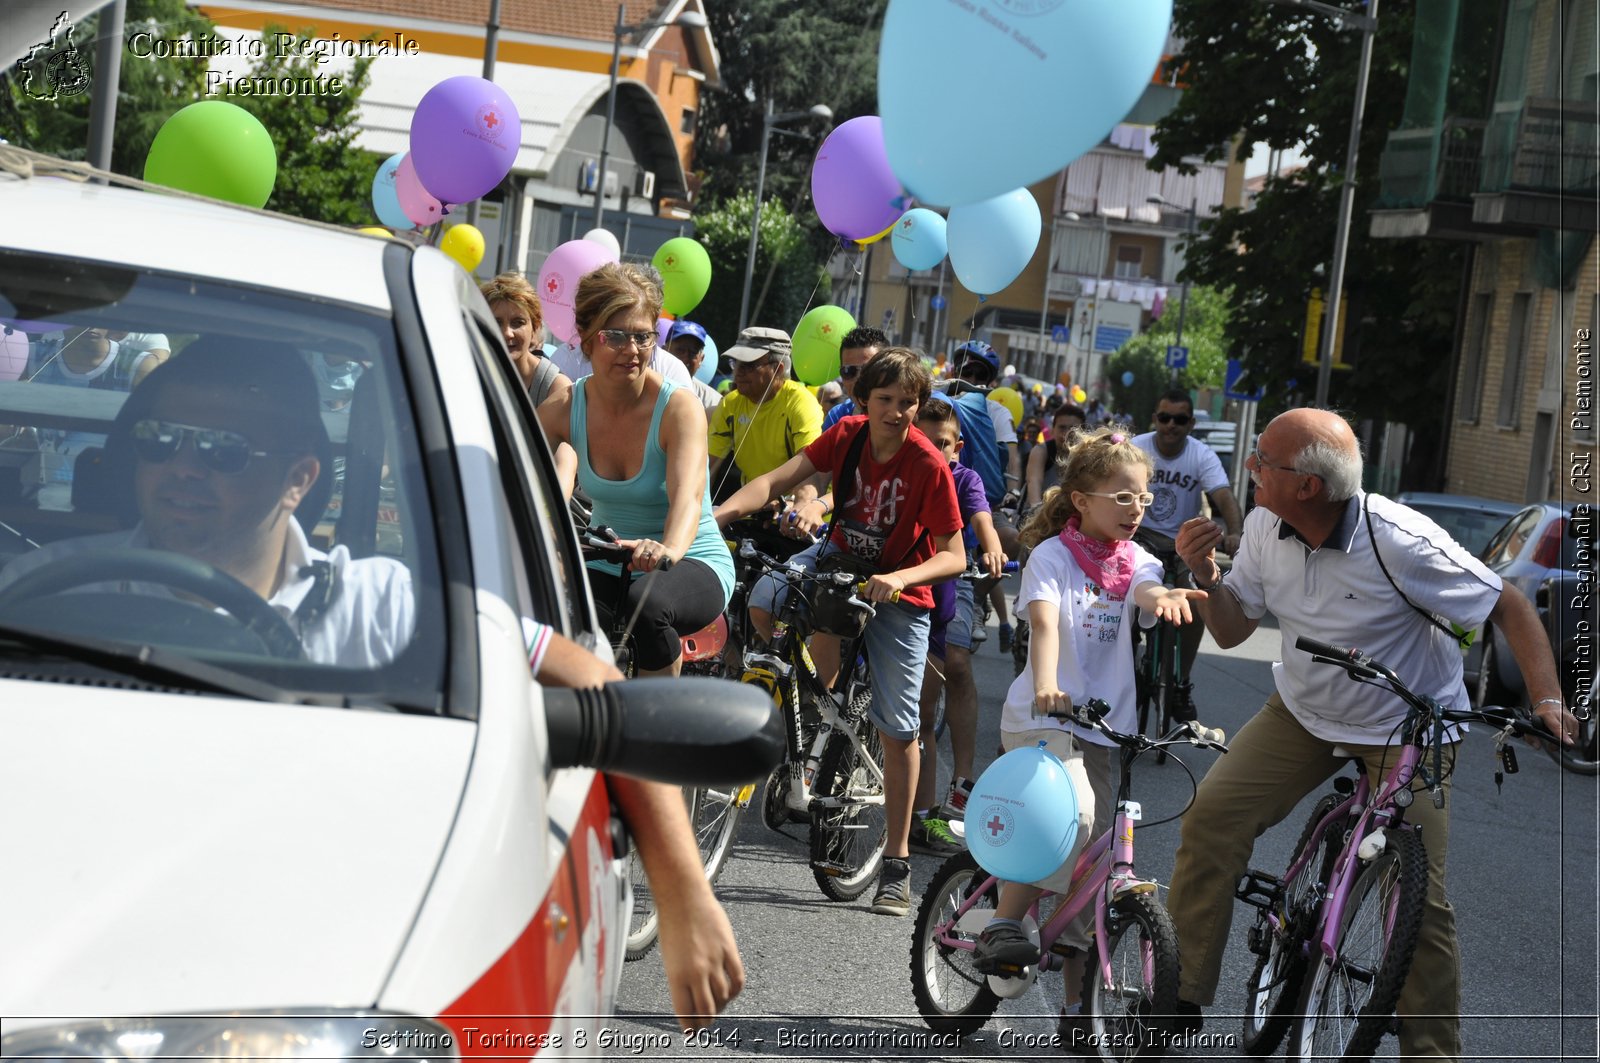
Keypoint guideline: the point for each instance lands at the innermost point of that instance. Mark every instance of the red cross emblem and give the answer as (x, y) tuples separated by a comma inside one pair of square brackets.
[(906, 223), (551, 285), (826, 328), (491, 119), (996, 826), (670, 261)]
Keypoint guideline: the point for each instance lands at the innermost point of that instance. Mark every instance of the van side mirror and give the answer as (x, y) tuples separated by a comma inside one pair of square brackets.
[(684, 731)]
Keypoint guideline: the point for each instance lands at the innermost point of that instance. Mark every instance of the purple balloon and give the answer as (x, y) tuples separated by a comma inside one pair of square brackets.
[(415, 201), (558, 284), (856, 193), (663, 326), (21, 325), (464, 138)]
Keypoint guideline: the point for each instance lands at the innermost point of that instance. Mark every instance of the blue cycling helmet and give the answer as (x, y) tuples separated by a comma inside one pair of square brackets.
[(981, 350)]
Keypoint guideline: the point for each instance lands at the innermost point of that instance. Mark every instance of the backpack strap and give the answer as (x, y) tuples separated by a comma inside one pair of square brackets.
[(847, 476), (544, 378), (1457, 635)]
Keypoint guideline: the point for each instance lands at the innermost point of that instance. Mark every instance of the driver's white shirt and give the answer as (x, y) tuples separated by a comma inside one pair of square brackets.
[(367, 624)]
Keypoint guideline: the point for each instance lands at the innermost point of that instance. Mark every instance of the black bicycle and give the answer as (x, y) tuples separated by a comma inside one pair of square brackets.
[(832, 775)]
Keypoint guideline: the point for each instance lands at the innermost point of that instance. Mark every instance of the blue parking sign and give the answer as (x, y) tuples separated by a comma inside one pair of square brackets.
[(1177, 357)]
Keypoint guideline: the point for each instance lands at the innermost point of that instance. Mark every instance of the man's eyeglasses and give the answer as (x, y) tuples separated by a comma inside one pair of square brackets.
[(1179, 419), (1125, 498), (762, 364), (229, 453), (617, 339), (1261, 462), (849, 372)]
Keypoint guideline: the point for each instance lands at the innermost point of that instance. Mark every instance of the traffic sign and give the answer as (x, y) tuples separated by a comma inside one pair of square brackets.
[(938, 302), (1231, 380), (1060, 334), (1177, 357)]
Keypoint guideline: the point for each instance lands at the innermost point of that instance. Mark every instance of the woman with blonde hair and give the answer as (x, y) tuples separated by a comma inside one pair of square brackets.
[(516, 307), (641, 448)]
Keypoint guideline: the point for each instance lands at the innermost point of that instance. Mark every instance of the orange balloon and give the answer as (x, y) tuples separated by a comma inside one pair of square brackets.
[(1065, 380)]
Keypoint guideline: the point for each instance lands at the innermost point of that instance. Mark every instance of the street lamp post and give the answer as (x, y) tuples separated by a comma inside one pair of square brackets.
[(1183, 297), (692, 20), (768, 121), (1368, 25)]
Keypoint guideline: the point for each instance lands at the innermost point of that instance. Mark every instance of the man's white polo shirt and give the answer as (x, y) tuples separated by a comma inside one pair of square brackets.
[(1338, 594)]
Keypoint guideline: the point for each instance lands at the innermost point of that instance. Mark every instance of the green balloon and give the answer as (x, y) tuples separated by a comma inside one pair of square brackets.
[(217, 149), (685, 270), (816, 343)]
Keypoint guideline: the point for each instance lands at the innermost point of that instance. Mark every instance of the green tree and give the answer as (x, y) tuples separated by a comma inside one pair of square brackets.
[(1205, 322), (1265, 73), (149, 90), (795, 53), (1150, 379), (322, 175), (796, 279)]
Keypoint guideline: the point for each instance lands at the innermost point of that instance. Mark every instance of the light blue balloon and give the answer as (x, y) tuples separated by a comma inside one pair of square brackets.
[(991, 241), (708, 364), (550, 349), (385, 201), (1022, 817), (919, 239), (978, 97), (1127, 378)]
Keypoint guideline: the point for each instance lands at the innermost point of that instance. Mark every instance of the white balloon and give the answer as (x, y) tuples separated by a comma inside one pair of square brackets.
[(607, 240)]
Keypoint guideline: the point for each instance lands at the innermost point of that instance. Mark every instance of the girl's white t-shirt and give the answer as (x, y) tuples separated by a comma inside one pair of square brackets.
[(1096, 652)]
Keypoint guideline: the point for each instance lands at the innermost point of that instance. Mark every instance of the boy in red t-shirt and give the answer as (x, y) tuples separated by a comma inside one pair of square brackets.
[(901, 514)]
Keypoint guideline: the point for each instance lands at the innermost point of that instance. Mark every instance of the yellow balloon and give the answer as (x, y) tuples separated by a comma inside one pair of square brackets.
[(373, 230), (464, 243), (1010, 400), (880, 236), (1078, 394)]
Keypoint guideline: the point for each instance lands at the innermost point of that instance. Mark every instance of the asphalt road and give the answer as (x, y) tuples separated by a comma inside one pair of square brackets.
[(831, 981)]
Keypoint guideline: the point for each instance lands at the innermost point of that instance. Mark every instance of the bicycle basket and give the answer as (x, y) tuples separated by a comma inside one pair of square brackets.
[(831, 608)]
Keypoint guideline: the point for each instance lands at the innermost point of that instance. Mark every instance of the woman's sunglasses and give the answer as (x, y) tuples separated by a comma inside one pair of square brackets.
[(229, 453), (617, 339)]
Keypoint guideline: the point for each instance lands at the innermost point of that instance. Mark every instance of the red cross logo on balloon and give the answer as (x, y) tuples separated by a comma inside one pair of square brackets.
[(826, 328), (906, 224), (670, 261), (552, 284), (490, 124), (995, 825)]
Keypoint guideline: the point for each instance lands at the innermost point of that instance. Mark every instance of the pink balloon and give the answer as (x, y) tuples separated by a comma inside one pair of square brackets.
[(856, 193), (13, 354), (558, 284), (415, 202)]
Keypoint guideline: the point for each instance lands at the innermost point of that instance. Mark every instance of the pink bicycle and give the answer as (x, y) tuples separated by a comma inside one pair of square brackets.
[(1334, 937), (1130, 988)]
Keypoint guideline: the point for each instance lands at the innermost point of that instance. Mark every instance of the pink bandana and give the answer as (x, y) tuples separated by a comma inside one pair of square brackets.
[(1108, 564)]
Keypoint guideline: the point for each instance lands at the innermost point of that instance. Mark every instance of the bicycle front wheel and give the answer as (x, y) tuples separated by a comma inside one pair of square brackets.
[(1347, 1005), (714, 815), (849, 822), (643, 922), (1130, 1016), (951, 995), (1281, 949)]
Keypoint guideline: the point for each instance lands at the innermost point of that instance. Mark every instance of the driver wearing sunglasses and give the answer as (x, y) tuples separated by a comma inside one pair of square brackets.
[(223, 444)]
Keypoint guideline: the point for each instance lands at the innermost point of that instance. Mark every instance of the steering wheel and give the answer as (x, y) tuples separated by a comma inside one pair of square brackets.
[(244, 607)]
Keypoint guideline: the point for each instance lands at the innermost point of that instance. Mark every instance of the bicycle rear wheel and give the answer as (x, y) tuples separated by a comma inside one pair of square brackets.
[(951, 995), (849, 822), (1347, 1005), (1130, 1017), (1281, 958), (643, 922)]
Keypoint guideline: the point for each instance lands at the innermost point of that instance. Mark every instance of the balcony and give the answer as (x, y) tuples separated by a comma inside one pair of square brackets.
[(1427, 180), (1539, 168)]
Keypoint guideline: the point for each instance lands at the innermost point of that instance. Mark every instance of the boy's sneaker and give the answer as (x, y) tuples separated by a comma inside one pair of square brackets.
[(1005, 638), (894, 888), (955, 805), (930, 835), (1002, 948)]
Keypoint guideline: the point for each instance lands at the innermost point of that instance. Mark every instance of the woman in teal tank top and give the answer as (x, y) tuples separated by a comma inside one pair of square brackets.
[(641, 445)]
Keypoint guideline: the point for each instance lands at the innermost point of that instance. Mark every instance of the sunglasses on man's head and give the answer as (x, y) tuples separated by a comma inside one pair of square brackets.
[(617, 338), (1179, 419), (229, 453)]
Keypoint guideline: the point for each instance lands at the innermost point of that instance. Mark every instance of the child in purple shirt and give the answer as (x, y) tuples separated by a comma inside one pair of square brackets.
[(950, 648)]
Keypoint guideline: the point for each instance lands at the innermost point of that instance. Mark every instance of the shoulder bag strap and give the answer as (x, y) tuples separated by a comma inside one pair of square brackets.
[(1464, 638), (847, 477)]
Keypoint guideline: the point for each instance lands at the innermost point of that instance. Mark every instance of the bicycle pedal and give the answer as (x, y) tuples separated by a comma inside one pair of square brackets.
[(1259, 889), (743, 797), (832, 868), (1131, 887)]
